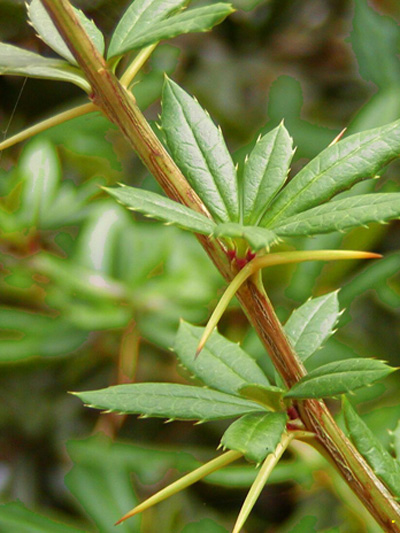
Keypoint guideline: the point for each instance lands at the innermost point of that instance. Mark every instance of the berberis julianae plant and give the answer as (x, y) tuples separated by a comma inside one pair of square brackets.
[(241, 215)]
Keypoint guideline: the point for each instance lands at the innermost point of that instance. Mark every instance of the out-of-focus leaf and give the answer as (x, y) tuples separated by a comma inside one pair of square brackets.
[(396, 441), (162, 208), (383, 464), (18, 62), (199, 150), (343, 215), (194, 20), (258, 238), (102, 483), (335, 169), (165, 400), (32, 335), (222, 364), (339, 377), (375, 42), (15, 516), (40, 171), (312, 323), (204, 526), (255, 435), (265, 172), (43, 24), (140, 16)]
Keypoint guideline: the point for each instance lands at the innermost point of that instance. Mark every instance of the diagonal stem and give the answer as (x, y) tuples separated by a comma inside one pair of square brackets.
[(120, 107)]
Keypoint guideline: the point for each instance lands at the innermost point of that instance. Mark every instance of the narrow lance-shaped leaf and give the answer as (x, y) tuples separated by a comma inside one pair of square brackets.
[(267, 395), (162, 208), (339, 377), (265, 172), (343, 215), (311, 324), (258, 238), (255, 435), (337, 168), (223, 365), (18, 62), (199, 150), (396, 441), (194, 20), (140, 16), (165, 400), (383, 464), (46, 29)]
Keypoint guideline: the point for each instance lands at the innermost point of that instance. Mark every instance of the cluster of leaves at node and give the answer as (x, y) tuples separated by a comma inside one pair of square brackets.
[(144, 23), (233, 385), (253, 203)]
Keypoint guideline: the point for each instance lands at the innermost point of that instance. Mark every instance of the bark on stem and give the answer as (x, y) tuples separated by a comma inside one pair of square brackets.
[(120, 107)]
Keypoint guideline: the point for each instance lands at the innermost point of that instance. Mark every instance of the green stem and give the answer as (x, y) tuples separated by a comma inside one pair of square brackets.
[(271, 260), (260, 481), (78, 111), (184, 482), (131, 71), (120, 107)]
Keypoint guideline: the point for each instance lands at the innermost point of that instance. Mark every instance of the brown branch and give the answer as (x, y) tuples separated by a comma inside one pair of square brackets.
[(120, 107)]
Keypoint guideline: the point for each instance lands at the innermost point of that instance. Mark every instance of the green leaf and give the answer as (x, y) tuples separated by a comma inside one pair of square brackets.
[(100, 480), (255, 435), (162, 208), (15, 516), (41, 173), (18, 62), (311, 324), (199, 150), (339, 377), (396, 441), (383, 464), (343, 215), (43, 24), (335, 169), (265, 172), (167, 400), (269, 396), (222, 364), (375, 42), (206, 525), (194, 20), (258, 238), (140, 16)]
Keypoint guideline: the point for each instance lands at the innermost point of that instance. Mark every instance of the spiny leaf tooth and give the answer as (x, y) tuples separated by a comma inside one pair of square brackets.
[(259, 138), (246, 158), (200, 422), (169, 420)]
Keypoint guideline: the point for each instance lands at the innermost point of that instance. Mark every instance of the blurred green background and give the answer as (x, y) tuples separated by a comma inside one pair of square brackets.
[(91, 295)]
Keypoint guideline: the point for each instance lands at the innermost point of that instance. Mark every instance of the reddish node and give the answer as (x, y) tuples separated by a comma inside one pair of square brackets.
[(292, 413)]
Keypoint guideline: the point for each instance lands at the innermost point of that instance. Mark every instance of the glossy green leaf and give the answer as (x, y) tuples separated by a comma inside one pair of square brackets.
[(265, 172), (43, 24), (40, 171), (194, 20), (337, 168), (100, 480), (339, 377), (380, 460), (312, 323), (199, 150), (140, 16), (258, 238), (15, 516), (255, 435), (222, 364), (18, 62), (165, 400), (343, 215), (162, 208), (269, 396), (375, 42)]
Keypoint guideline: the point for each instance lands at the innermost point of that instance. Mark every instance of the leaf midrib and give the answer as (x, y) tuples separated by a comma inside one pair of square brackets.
[(318, 176)]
